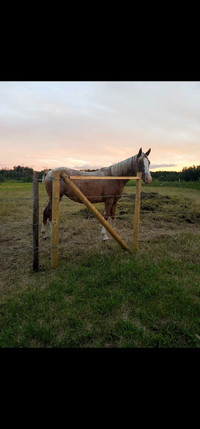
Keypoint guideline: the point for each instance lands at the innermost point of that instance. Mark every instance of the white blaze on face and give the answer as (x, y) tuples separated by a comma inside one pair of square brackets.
[(147, 173)]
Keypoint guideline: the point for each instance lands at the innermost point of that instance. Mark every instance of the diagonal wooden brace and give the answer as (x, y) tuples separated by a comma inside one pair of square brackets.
[(96, 213)]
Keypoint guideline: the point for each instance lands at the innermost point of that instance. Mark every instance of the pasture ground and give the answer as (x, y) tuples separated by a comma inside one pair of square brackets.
[(101, 296)]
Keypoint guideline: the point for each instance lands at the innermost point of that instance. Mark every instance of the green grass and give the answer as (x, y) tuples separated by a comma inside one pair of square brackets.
[(107, 301), (101, 296)]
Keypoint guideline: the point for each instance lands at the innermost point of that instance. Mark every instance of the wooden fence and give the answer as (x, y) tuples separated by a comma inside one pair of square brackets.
[(35, 222), (90, 206)]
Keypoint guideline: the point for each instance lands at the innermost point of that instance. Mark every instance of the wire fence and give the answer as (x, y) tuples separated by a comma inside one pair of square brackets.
[(14, 235), (16, 238)]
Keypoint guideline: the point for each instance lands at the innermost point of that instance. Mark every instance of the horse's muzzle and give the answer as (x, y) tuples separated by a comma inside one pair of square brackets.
[(148, 180)]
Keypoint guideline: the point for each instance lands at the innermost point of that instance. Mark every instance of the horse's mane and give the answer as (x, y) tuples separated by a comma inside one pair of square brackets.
[(123, 168)]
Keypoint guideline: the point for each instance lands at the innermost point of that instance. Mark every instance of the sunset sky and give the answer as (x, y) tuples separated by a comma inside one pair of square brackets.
[(95, 124)]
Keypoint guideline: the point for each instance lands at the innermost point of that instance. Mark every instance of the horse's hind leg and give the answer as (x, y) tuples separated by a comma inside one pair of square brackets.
[(47, 218), (107, 214), (112, 213), (46, 228)]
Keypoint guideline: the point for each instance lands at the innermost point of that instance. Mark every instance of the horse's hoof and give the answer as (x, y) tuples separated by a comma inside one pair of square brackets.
[(105, 238), (44, 236)]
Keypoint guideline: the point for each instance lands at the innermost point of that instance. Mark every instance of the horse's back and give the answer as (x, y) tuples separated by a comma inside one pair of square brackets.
[(95, 190)]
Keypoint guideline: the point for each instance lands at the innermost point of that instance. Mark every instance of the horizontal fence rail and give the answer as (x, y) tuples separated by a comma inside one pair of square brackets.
[(102, 177)]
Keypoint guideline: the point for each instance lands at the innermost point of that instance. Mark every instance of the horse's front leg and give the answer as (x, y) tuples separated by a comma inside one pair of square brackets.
[(104, 235)]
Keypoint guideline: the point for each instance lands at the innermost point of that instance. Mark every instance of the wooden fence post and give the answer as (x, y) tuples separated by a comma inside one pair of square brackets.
[(136, 220), (55, 218), (35, 222)]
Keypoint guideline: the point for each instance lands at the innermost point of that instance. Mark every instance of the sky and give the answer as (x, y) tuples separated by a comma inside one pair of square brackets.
[(94, 124)]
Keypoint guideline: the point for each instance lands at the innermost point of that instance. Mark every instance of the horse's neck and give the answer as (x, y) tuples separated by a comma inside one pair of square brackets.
[(125, 168), (128, 167)]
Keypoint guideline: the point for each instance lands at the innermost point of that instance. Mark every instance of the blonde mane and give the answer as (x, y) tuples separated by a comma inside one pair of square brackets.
[(123, 168)]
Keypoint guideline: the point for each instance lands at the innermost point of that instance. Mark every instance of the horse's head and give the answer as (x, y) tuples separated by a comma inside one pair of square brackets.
[(143, 165)]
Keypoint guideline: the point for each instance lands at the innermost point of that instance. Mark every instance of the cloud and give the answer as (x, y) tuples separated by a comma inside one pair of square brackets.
[(87, 167), (99, 123), (116, 151), (152, 166)]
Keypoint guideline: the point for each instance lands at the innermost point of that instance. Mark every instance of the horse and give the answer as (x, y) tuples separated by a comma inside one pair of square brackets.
[(97, 191)]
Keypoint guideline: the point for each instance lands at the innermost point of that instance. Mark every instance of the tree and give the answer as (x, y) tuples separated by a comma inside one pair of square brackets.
[(191, 173)]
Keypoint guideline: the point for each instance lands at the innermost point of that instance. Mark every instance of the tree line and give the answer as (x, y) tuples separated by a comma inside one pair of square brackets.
[(25, 174), (187, 174)]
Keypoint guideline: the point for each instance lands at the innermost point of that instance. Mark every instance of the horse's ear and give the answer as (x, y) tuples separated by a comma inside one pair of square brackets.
[(139, 153), (148, 152)]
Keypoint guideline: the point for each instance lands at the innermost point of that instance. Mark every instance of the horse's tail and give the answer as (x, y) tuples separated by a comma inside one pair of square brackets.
[(44, 175)]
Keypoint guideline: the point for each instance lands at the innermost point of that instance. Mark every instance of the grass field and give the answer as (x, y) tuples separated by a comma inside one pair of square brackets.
[(101, 296)]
